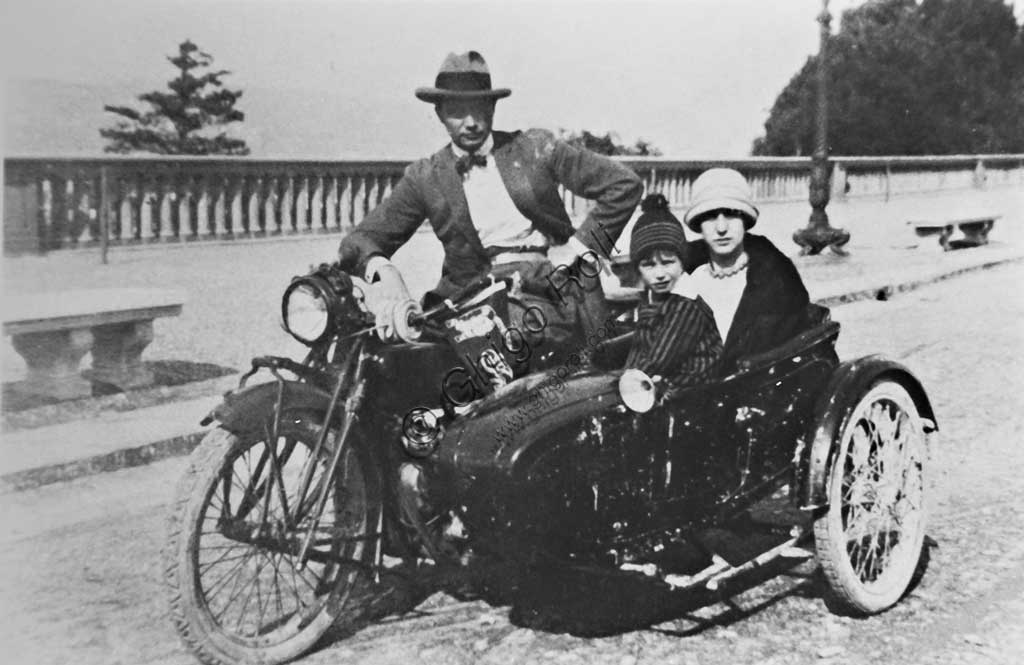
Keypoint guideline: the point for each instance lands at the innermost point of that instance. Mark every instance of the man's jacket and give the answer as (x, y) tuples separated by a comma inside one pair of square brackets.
[(532, 165)]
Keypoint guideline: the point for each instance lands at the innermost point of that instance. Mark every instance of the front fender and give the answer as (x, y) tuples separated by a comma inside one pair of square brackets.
[(247, 410), (850, 380)]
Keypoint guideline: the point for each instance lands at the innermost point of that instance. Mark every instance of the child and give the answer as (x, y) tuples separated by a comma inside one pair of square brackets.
[(676, 336)]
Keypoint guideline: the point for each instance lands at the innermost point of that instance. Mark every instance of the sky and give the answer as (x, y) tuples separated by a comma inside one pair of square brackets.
[(695, 77)]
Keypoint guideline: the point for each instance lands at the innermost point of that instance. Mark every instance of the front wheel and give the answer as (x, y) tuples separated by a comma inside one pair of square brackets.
[(237, 591), (869, 541)]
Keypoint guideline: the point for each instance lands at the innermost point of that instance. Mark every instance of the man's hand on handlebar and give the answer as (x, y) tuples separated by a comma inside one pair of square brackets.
[(388, 298)]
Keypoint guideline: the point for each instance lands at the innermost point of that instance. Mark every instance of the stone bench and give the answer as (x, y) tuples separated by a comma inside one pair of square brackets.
[(974, 230), (53, 331)]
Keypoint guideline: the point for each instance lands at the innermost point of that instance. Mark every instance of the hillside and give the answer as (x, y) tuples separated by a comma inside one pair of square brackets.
[(50, 117)]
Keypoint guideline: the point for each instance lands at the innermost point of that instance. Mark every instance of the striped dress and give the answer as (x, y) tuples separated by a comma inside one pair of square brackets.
[(676, 337)]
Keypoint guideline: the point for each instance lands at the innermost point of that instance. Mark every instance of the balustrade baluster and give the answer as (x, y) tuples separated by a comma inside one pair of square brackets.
[(74, 193), (371, 184), (206, 212), (331, 205), (151, 209), (218, 226), (227, 220), (298, 207), (82, 200), (244, 192), (168, 210), (388, 185), (306, 196), (122, 221), (280, 183), (261, 192), (292, 222), (316, 203), (58, 229), (358, 199), (191, 192), (275, 223), (89, 206), (104, 209), (44, 190), (344, 202)]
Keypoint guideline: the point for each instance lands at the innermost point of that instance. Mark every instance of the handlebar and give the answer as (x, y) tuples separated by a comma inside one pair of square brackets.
[(410, 324)]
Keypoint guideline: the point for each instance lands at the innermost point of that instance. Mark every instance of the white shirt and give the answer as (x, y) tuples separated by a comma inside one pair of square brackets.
[(496, 218), (722, 294)]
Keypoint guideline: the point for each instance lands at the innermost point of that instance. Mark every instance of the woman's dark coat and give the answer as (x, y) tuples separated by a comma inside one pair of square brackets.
[(774, 304)]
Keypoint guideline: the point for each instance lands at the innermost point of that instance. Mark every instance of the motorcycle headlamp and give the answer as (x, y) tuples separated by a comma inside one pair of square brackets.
[(308, 309)]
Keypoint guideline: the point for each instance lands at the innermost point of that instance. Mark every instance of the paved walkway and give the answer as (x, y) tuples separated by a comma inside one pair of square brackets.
[(233, 295)]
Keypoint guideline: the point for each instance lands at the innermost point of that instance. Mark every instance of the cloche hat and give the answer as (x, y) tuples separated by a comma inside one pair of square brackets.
[(718, 189), (462, 76)]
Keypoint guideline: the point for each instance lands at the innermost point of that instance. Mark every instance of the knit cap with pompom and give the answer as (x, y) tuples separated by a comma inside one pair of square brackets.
[(657, 228)]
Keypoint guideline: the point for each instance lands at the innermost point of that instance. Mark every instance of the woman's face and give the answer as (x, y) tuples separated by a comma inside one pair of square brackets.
[(660, 270), (723, 231)]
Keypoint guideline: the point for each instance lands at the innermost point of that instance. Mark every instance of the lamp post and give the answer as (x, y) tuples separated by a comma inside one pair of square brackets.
[(818, 234)]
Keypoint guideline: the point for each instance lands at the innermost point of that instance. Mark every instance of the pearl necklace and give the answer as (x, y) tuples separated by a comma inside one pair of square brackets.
[(722, 273)]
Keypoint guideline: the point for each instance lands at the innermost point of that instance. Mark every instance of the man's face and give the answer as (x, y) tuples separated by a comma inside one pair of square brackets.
[(723, 231), (468, 121)]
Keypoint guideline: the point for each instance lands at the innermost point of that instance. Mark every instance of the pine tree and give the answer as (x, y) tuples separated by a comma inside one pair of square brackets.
[(184, 120)]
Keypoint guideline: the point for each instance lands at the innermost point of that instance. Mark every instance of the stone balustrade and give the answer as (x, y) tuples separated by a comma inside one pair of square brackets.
[(65, 202)]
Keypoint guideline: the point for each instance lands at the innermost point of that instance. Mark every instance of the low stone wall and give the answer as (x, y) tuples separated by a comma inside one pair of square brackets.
[(58, 203)]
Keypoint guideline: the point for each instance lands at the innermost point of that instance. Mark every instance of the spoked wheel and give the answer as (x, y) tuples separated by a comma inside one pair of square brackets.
[(870, 539), (237, 524)]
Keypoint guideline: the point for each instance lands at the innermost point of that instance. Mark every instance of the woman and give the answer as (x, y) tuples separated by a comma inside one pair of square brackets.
[(753, 289), (675, 337)]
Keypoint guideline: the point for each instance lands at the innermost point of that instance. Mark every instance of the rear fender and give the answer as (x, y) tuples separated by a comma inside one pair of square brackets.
[(247, 410), (849, 382)]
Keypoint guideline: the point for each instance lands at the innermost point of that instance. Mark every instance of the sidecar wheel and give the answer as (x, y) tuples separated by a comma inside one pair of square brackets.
[(869, 540), (236, 592)]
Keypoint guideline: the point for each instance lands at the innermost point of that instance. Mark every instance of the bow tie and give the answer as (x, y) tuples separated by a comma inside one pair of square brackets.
[(465, 162)]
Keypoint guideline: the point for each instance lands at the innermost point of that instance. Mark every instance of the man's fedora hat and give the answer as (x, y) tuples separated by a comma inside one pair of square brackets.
[(462, 76)]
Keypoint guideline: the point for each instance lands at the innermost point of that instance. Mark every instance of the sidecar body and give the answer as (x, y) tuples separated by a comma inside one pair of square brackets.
[(559, 466)]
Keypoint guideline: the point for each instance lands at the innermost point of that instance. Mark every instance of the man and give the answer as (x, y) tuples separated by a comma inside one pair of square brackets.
[(493, 200)]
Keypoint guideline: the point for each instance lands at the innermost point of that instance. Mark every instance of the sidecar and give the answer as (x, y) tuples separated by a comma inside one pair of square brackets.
[(555, 465)]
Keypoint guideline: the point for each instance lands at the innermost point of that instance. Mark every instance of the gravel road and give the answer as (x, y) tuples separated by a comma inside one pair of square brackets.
[(79, 566)]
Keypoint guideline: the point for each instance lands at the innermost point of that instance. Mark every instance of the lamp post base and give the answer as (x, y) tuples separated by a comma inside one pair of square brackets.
[(814, 238)]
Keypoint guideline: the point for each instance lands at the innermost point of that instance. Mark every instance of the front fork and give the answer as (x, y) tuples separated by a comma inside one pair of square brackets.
[(348, 376)]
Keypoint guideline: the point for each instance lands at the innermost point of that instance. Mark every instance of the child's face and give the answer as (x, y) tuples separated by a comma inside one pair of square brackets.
[(660, 270)]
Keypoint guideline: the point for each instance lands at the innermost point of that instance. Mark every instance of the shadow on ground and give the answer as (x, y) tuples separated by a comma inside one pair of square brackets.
[(588, 602)]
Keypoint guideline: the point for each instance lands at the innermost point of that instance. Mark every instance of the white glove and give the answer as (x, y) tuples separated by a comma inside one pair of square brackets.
[(387, 294)]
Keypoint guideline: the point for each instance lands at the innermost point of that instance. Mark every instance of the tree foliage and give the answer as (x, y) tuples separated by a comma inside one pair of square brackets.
[(608, 144), (908, 78), (184, 120)]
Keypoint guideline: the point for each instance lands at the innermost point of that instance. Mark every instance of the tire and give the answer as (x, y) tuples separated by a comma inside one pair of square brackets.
[(212, 546), (870, 539)]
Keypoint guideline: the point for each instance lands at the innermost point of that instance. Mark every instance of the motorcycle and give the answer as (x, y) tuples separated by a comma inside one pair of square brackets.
[(459, 437)]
